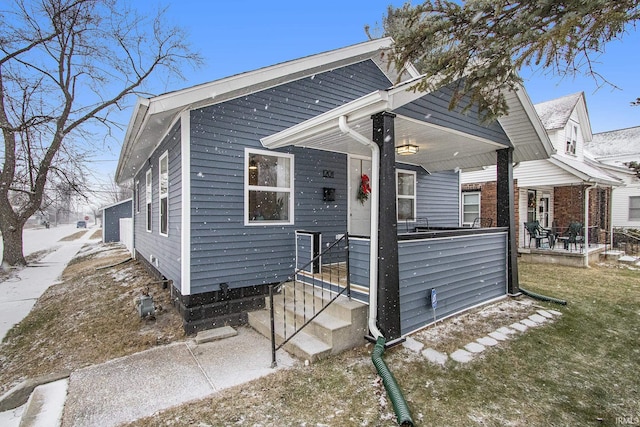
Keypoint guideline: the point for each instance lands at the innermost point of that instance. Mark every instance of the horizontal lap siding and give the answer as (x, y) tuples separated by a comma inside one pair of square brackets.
[(465, 271), (223, 249), (111, 220), (437, 197), (165, 248), (434, 108), (359, 262)]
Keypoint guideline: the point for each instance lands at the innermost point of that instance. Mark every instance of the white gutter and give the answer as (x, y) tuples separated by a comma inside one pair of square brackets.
[(375, 201)]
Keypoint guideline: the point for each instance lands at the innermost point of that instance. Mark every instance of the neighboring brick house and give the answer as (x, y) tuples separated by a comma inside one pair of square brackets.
[(554, 191)]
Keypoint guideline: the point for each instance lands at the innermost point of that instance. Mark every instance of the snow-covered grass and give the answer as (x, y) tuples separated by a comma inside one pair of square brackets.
[(578, 370), (88, 318)]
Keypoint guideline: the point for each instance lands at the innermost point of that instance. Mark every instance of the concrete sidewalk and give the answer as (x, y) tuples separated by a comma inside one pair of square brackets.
[(136, 386), (19, 294)]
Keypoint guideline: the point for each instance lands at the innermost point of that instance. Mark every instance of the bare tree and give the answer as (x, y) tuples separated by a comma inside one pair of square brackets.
[(65, 67)]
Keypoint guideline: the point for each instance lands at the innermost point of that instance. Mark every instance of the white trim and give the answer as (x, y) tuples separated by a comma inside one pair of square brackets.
[(136, 196), (247, 187), (185, 196), (148, 199), (116, 203), (413, 197), (164, 156), (244, 81), (462, 205)]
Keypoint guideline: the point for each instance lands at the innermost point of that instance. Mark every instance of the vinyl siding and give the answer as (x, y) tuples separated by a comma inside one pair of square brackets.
[(437, 197), (111, 220), (165, 248), (465, 271), (223, 249), (434, 108)]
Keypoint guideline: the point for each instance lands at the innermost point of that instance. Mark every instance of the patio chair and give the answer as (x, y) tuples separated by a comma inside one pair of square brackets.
[(539, 234), (480, 222), (575, 235)]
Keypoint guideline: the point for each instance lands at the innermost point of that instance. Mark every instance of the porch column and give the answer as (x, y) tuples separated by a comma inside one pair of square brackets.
[(388, 274), (507, 215)]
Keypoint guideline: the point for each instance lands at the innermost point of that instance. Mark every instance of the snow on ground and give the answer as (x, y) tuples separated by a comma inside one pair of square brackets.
[(37, 239)]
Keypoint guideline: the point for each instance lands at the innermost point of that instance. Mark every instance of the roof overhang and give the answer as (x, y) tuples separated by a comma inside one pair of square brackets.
[(589, 174), (440, 148), (153, 118)]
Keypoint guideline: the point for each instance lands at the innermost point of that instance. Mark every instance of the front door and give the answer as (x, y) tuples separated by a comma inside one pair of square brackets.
[(359, 206)]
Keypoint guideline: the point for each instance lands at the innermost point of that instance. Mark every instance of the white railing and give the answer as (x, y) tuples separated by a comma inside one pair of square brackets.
[(126, 233)]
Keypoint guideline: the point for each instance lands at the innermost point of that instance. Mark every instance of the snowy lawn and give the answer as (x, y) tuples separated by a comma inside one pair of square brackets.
[(580, 369), (88, 318)]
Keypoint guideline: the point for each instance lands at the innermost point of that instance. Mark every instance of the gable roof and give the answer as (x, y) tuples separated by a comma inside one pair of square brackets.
[(153, 117), (587, 170), (618, 142), (442, 147), (555, 113)]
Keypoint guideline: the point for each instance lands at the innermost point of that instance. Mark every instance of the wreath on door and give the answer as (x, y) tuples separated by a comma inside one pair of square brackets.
[(364, 189)]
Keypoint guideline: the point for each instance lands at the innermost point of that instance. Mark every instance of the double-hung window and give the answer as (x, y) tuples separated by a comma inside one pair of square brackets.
[(634, 208), (148, 199), (572, 139), (406, 195), (163, 190), (268, 187), (136, 190), (470, 208)]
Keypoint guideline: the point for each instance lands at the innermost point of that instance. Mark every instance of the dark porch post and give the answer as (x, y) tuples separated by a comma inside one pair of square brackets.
[(507, 214), (388, 275)]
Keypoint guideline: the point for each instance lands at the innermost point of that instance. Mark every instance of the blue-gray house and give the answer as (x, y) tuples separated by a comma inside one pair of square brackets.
[(225, 173)]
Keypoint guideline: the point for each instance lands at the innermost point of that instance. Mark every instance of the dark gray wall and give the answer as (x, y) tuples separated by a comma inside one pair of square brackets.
[(165, 248), (434, 108), (111, 220), (437, 197), (465, 271), (223, 249)]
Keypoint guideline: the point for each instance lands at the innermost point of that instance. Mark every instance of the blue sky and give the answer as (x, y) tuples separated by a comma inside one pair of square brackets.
[(238, 36)]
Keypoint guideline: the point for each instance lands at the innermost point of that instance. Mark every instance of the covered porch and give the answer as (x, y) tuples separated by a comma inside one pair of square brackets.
[(573, 209), (397, 273)]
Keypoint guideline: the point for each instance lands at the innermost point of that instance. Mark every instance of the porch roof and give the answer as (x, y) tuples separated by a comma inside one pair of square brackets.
[(585, 170), (440, 147)]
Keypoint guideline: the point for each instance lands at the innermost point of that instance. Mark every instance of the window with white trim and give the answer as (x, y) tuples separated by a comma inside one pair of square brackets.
[(268, 187), (136, 189), (406, 195), (148, 199), (634, 208), (572, 139), (163, 192), (470, 207)]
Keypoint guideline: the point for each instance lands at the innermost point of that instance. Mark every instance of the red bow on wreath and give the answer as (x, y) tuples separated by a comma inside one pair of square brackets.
[(364, 189)]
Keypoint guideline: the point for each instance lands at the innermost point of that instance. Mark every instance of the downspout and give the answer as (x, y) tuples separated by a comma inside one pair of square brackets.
[(375, 201), (393, 390)]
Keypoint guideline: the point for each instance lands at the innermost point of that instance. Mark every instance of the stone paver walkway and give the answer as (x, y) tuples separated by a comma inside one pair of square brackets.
[(471, 349)]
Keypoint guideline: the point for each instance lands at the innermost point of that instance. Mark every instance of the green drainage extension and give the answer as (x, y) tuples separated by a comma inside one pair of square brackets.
[(543, 297), (395, 394)]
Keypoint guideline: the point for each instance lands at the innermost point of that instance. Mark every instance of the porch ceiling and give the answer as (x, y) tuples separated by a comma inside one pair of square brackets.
[(440, 148)]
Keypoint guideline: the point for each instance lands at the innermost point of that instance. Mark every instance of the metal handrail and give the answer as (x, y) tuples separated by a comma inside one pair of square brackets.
[(273, 289)]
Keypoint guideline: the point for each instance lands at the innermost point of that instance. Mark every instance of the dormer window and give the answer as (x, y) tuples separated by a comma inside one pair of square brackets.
[(572, 140)]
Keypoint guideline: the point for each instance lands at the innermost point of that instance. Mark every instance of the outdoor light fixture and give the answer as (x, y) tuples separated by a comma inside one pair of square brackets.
[(406, 149)]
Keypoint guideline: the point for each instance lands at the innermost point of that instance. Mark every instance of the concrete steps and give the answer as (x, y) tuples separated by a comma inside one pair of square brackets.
[(342, 325)]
